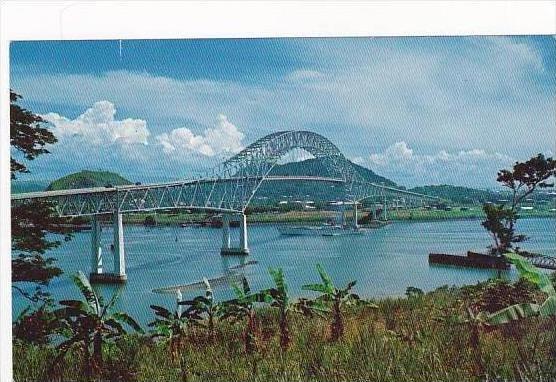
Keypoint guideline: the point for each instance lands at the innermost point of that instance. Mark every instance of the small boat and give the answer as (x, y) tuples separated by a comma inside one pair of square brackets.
[(324, 230)]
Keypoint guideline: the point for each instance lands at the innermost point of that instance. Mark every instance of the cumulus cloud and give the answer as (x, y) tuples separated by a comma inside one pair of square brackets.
[(223, 138), (464, 167), (98, 126)]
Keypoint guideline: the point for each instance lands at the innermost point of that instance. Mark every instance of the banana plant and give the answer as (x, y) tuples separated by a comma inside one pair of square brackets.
[(90, 322), (526, 310), (204, 308), (172, 326), (243, 308), (337, 297), (278, 298)]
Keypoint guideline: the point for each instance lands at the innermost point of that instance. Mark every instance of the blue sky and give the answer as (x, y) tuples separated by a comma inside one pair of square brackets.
[(417, 110)]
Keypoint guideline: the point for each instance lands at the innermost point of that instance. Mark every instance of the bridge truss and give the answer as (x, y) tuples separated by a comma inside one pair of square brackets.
[(229, 187)]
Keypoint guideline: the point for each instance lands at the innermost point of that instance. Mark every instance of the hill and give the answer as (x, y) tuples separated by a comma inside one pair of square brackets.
[(458, 194), (272, 192), (317, 167), (18, 186), (87, 179)]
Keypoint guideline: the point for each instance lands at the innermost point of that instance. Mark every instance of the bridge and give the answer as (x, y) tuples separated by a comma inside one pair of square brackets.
[(227, 188)]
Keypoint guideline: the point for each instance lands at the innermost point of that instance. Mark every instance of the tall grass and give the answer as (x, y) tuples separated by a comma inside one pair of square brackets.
[(404, 339)]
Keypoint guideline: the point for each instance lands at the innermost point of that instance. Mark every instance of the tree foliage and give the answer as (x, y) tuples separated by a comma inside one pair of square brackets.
[(27, 136), (33, 222), (528, 309), (522, 181), (330, 294), (90, 323)]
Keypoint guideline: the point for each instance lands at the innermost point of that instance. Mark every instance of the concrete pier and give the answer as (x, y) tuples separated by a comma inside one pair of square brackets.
[(242, 248), (96, 247), (98, 275)]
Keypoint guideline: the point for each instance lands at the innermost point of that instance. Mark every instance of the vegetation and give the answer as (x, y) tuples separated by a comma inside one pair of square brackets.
[(522, 181), (88, 179), (172, 328), (458, 194), (89, 324), (424, 337), (35, 229), (336, 296), (547, 308)]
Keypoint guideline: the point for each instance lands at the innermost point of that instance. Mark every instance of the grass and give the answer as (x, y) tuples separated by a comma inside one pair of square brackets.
[(404, 339)]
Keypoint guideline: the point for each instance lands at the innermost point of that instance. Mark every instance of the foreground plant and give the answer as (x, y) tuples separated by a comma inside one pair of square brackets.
[(336, 296), (278, 298), (172, 326), (204, 307), (90, 323), (529, 309), (243, 308)]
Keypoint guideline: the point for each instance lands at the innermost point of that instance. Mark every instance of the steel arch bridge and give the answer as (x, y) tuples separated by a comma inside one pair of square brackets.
[(227, 188)]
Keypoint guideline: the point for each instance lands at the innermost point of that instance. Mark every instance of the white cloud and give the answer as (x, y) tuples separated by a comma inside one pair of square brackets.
[(224, 138), (97, 126), (465, 167), (436, 93)]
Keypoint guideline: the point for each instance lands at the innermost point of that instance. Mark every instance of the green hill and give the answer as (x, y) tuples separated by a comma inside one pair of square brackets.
[(317, 167), (87, 179), (271, 192), (458, 194)]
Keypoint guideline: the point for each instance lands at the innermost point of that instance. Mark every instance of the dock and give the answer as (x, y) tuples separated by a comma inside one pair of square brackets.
[(470, 260)]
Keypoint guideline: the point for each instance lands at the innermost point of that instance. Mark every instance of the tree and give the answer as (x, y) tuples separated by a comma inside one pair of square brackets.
[(243, 308), (522, 181), (90, 323), (27, 136), (33, 222), (337, 297), (204, 307), (172, 326), (279, 298)]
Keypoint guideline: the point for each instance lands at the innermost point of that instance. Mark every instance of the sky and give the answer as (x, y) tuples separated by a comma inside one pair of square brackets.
[(418, 110)]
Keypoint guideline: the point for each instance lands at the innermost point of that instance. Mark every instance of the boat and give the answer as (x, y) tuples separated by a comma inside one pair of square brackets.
[(324, 230)]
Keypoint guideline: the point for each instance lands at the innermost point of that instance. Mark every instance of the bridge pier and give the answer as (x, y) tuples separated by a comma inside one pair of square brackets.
[(355, 217), (119, 275), (227, 249), (96, 248)]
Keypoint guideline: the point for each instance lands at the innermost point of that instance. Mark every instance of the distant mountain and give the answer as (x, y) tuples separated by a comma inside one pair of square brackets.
[(318, 167), (458, 194), (87, 179), (271, 192), (19, 186)]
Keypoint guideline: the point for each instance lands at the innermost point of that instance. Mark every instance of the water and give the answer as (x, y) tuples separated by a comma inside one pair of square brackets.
[(383, 261)]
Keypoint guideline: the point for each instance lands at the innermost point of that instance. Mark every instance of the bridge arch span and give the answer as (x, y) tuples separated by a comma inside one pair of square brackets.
[(257, 160)]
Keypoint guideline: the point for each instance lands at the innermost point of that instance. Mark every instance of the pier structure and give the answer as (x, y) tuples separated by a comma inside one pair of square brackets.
[(227, 248)]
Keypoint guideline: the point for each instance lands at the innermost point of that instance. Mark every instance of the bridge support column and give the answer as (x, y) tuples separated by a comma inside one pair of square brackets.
[(225, 232), (355, 217), (243, 234), (96, 248), (118, 276), (119, 252), (343, 214), (227, 248)]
